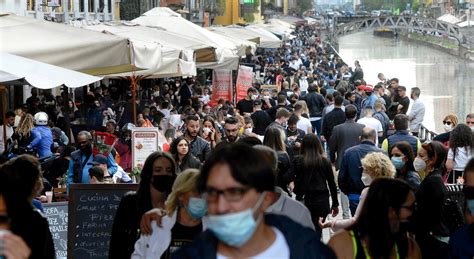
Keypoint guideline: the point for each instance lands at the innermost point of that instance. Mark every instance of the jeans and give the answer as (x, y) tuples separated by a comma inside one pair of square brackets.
[(346, 213), (316, 124), (353, 202)]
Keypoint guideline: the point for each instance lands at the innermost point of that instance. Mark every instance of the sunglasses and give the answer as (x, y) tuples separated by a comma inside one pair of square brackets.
[(447, 122)]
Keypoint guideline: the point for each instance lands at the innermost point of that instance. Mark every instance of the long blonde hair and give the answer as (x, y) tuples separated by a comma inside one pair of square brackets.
[(185, 182), (25, 126)]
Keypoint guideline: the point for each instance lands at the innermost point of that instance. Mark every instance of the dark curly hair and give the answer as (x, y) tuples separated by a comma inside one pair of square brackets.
[(461, 137)]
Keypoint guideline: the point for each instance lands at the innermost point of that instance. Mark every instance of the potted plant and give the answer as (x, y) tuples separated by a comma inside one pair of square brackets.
[(135, 173)]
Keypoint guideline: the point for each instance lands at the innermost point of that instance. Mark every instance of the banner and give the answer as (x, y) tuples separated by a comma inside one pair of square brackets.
[(244, 82), (221, 86)]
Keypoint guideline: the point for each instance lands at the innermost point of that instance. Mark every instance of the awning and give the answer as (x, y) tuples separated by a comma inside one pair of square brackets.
[(64, 46), (40, 75), (171, 21)]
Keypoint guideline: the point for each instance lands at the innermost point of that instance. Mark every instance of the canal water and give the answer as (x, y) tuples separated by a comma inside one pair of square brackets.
[(446, 82)]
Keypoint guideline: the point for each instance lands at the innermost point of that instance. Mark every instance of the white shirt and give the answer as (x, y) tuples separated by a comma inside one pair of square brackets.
[(9, 135), (417, 114), (279, 249), (461, 159), (205, 99), (165, 112), (303, 124), (373, 123)]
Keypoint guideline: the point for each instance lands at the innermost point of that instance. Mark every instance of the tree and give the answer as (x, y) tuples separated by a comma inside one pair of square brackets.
[(304, 5)]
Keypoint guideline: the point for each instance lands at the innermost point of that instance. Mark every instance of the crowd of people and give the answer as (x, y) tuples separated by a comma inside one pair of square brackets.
[(255, 178)]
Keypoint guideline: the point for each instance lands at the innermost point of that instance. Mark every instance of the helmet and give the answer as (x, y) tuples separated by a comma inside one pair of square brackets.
[(41, 118), (127, 127)]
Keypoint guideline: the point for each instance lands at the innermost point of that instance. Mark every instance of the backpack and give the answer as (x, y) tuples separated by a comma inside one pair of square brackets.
[(384, 121)]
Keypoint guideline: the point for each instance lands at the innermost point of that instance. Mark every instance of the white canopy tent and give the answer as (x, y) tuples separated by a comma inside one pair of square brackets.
[(175, 54), (243, 41), (64, 46), (449, 19), (281, 31), (39, 74), (227, 52), (264, 39)]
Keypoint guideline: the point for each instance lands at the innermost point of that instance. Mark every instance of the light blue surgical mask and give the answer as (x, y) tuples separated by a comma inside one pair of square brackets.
[(235, 229), (197, 207), (398, 162)]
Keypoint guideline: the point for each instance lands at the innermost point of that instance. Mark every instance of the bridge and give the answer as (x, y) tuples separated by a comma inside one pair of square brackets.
[(410, 23)]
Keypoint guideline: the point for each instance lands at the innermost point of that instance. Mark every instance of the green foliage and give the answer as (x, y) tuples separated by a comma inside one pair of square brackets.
[(249, 17), (304, 5), (221, 6), (131, 9)]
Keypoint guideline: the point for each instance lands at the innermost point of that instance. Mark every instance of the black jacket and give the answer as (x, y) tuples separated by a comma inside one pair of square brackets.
[(302, 241), (33, 228), (125, 230), (430, 200), (189, 161), (313, 183), (316, 104), (331, 120)]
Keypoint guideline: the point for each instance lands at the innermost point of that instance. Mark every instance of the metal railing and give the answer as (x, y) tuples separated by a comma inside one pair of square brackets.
[(424, 134)]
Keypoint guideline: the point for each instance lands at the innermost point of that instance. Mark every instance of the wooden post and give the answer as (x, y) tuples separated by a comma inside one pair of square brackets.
[(3, 98), (134, 99)]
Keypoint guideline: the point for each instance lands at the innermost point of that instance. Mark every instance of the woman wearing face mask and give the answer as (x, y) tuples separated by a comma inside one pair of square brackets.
[(157, 177), (380, 229), (449, 122), (431, 232), (184, 159), (210, 132), (461, 148), (182, 223), (402, 158), (375, 165)]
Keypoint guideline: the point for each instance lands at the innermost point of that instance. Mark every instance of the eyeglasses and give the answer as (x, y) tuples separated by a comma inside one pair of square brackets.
[(447, 122), (82, 143), (231, 194)]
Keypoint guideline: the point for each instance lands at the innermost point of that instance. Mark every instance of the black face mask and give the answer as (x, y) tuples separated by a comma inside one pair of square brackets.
[(86, 149), (162, 183)]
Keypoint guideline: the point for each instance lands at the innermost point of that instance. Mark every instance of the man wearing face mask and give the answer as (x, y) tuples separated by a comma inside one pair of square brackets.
[(461, 243), (82, 159), (236, 185), (245, 106), (350, 172), (401, 134)]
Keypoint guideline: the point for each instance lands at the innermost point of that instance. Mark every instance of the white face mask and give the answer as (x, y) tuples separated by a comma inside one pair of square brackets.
[(248, 131), (448, 127), (366, 179), (419, 164)]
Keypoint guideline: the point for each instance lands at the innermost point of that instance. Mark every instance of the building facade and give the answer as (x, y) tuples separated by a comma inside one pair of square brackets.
[(63, 10)]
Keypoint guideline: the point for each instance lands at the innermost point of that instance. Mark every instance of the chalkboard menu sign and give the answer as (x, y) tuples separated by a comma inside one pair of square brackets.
[(92, 209), (56, 213)]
